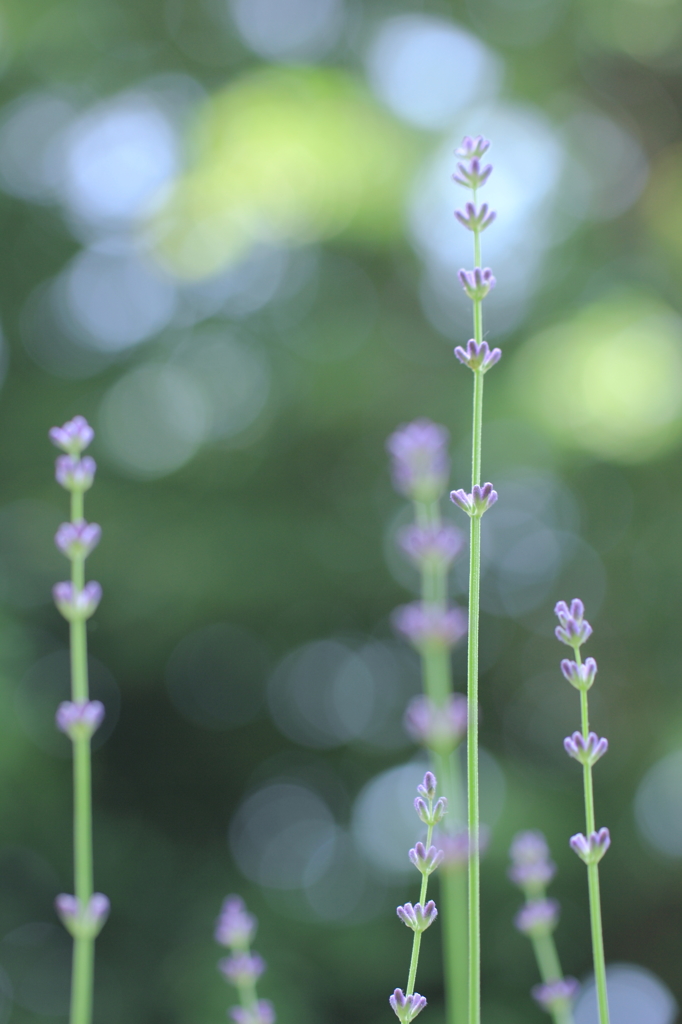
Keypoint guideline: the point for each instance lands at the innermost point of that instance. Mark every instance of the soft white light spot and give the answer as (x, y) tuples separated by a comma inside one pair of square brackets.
[(288, 30), (658, 805), (636, 996)]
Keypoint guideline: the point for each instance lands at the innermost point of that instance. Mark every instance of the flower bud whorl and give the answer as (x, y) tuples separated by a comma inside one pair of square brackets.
[(405, 1007), (555, 996), (77, 604), (477, 282), (83, 923), (586, 750), (478, 357), (235, 926), (416, 917), (79, 721), (242, 968), (263, 1012), (482, 497), (572, 630), (537, 917), (77, 540), (425, 861), (73, 437), (435, 727), (75, 474), (428, 626), (591, 848)]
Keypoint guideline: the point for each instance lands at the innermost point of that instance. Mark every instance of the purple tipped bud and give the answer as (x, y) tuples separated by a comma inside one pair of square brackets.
[(472, 148), (475, 220), (431, 816), (425, 861), (262, 1013), (405, 1007), (586, 750), (537, 917), (75, 474), (591, 848), (416, 917), (77, 539), (242, 968), (572, 630), (439, 728), (74, 437), (479, 501), (235, 927), (420, 462), (469, 171), (427, 789), (580, 676), (432, 545), (531, 869), (477, 282), (429, 626), (83, 922), (457, 849), (77, 604), (478, 357), (555, 996), (81, 720)]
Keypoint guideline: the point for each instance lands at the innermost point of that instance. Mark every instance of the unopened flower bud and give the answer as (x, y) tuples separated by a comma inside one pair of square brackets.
[(473, 219), (242, 968), (591, 848), (472, 147), (478, 357), (472, 174), (425, 861), (235, 926), (572, 630), (77, 539), (431, 545), (586, 750), (79, 720), (262, 1013), (482, 497), (405, 1007), (75, 474), (416, 917), (477, 282), (74, 437), (431, 815), (532, 870), (580, 676), (428, 626), (420, 462), (427, 788), (77, 604), (435, 727), (83, 922), (555, 996), (537, 917)]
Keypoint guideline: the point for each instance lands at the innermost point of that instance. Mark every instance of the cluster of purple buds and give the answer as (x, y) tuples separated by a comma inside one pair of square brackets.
[(83, 922), (586, 749), (580, 676), (77, 604), (75, 474), (475, 219), (76, 540), (262, 1012), (479, 501), (531, 868), (428, 625), (235, 926), (425, 861), (457, 848), (537, 917), (416, 917), (556, 996), (74, 437), (573, 629), (79, 720), (431, 545), (438, 728), (477, 282), (591, 848), (242, 968), (478, 357), (405, 1007), (420, 462), (470, 173)]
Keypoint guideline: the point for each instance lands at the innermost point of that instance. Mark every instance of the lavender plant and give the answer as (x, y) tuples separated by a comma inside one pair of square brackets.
[(420, 467), (587, 748), (532, 870), (479, 358), (235, 929), (85, 912), (422, 914)]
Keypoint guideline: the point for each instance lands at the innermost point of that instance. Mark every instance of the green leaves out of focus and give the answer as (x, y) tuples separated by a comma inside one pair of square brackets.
[(286, 155)]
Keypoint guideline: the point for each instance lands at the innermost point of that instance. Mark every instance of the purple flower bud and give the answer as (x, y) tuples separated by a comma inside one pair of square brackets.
[(73, 437), (425, 861), (439, 728), (262, 1013), (473, 219), (235, 927), (531, 868), (420, 462), (477, 282), (79, 922), (476, 503), (431, 815), (591, 848), (556, 995), (416, 917), (75, 474), (478, 357), (537, 917), (77, 539), (431, 545), (427, 788), (81, 720), (580, 676), (573, 629), (429, 625), (77, 604), (471, 174), (242, 968), (405, 1007), (586, 750), (470, 148), (456, 849)]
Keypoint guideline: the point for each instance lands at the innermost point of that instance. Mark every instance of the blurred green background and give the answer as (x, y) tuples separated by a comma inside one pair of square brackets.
[(227, 239)]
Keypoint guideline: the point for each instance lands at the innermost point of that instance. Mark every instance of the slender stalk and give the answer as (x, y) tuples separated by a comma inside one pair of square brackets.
[(417, 938), (549, 966)]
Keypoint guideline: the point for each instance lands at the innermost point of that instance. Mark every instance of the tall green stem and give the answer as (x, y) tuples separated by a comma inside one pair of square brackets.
[(417, 939)]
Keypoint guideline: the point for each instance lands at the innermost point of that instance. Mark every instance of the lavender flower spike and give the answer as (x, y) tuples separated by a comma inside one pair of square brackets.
[(428, 626), (440, 728), (478, 357), (477, 282), (75, 474), (420, 459), (431, 545), (591, 848), (586, 750), (531, 869), (555, 996), (77, 604), (235, 926), (263, 1012), (472, 175), (425, 861), (479, 501), (405, 1007), (473, 219), (77, 539), (537, 917), (74, 437), (79, 721), (84, 923), (470, 148), (572, 630), (242, 968), (416, 917), (580, 676)]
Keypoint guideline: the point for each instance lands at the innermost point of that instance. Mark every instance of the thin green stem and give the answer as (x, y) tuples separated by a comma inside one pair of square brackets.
[(550, 970), (417, 938)]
